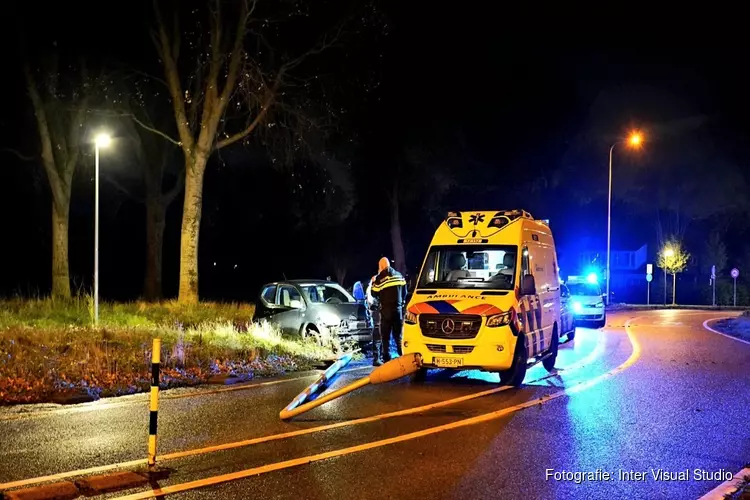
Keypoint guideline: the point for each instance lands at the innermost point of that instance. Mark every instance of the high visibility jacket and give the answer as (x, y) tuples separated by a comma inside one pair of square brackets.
[(390, 289)]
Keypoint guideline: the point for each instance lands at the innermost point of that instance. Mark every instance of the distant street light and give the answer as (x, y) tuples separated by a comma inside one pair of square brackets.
[(633, 141), (101, 141), (668, 252)]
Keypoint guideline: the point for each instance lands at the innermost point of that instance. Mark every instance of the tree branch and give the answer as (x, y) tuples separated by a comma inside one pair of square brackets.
[(170, 195), (48, 158), (258, 119), (153, 130), (20, 155), (167, 52), (123, 189)]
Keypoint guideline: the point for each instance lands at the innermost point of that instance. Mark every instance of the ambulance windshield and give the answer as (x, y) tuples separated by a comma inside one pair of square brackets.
[(488, 267)]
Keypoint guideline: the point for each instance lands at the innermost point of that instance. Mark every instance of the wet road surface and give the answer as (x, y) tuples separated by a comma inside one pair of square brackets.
[(653, 390)]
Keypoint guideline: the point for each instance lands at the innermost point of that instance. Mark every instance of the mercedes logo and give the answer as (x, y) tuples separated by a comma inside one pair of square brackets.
[(448, 326)]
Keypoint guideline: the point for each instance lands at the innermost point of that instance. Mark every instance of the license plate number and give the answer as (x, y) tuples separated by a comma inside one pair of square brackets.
[(446, 362)]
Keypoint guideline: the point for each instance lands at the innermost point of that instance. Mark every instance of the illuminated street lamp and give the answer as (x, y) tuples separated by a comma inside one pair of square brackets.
[(101, 141), (668, 252), (633, 141)]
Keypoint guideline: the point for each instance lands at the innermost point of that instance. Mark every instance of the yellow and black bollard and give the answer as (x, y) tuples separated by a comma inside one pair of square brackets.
[(154, 402)]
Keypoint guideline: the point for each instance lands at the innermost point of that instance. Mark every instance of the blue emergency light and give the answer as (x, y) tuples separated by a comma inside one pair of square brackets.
[(592, 278)]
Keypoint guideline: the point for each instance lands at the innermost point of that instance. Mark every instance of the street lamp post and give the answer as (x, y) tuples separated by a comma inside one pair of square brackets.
[(634, 141), (101, 141)]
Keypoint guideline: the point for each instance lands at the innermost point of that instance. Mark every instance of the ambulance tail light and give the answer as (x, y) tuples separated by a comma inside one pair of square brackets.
[(410, 318)]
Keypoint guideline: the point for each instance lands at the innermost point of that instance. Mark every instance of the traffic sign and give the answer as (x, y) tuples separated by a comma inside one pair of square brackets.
[(713, 272), (649, 269), (649, 277), (735, 273)]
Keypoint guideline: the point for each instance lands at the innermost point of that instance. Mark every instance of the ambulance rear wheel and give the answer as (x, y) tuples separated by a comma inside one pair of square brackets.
[(517, 372), (549, 362)]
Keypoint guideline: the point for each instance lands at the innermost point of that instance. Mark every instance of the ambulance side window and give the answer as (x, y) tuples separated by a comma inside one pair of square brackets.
[(525, 261)]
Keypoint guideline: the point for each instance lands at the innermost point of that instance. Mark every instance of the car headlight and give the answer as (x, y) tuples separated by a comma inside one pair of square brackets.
[(329, 319), (600, 304), (577, 307), (410, 318), (501, 319)]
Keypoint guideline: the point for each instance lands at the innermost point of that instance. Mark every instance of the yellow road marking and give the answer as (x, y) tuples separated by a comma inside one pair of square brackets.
[(598, 349), (255, 471)]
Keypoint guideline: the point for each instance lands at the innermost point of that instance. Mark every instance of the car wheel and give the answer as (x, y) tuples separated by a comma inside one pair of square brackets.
[(517, 372), (549, 362), (312, 332)]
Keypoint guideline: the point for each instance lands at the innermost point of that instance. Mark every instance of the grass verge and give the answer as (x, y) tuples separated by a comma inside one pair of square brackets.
[(49, 349), (736, 327), (743, 491)]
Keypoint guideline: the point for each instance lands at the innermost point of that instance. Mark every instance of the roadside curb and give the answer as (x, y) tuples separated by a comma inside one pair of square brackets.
[(87, 486), (64, 490), (96, 485), (727, 487), (227, 379), (72, 399), (705, 325)]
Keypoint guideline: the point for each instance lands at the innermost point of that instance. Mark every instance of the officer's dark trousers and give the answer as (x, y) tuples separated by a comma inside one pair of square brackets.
[(391, 321), (376, 344)]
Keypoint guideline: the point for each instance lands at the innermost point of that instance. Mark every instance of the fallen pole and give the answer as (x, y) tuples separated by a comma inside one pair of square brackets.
[(392, 370), (321, 382)]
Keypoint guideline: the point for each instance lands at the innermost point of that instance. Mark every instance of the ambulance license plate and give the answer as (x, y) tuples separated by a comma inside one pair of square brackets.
[(446, 362)]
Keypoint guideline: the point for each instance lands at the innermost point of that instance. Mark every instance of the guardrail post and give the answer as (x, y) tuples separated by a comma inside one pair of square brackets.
[(154, 401)]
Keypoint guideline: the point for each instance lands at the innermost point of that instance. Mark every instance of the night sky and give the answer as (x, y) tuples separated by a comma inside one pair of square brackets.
[(520, 95)]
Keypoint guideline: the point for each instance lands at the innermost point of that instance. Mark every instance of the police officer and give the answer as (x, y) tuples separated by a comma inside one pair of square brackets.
[(373, 308), (389, 287)]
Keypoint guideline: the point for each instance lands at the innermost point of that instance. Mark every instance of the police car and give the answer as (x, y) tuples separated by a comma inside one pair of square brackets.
[(586, 300)]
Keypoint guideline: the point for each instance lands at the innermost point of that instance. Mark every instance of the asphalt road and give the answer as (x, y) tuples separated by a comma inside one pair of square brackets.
[(653, 390)]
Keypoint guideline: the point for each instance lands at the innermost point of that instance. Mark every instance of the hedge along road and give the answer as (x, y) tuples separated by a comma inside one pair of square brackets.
[(588, 425)]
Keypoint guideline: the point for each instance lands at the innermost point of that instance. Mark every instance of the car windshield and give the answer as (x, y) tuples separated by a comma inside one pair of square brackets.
[(489, 267), (585, 289), (329, 293)]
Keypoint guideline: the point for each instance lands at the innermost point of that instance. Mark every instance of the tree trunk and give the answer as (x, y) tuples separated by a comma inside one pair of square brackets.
[(155, 223), (399, 256), (60, 270), (191, 223)]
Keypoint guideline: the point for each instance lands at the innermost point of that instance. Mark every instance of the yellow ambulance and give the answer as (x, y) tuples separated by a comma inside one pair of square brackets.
[(487, 297)]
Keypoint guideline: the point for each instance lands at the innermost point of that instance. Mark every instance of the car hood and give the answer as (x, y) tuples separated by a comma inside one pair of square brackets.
[(586, 299), (461, 302), (345, 311)]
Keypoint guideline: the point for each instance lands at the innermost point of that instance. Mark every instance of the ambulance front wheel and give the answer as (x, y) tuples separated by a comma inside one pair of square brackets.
[(517, 372)]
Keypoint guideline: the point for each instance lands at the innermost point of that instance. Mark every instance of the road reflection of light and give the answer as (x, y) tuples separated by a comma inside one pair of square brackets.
[(591, 428)]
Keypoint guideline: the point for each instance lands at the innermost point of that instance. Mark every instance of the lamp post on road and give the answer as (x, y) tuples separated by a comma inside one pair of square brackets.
[(634, 141), (101, 141)]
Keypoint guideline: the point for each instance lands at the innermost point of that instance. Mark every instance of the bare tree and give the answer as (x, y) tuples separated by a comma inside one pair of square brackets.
[(224, 82), (60, 105)]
